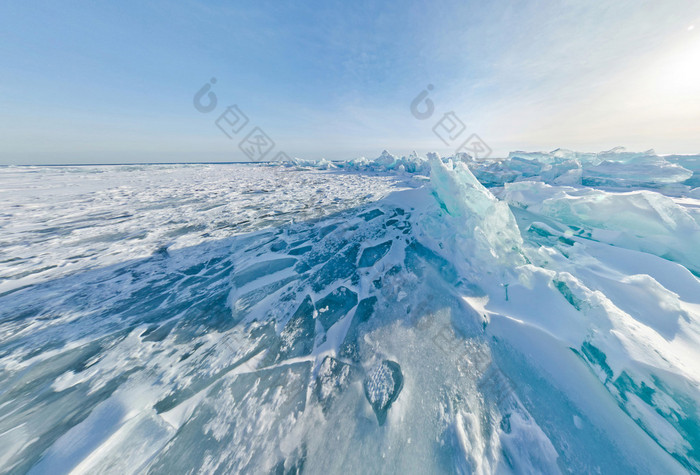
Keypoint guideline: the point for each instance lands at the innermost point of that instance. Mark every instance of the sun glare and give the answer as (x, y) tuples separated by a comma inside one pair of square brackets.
[(677, 75)]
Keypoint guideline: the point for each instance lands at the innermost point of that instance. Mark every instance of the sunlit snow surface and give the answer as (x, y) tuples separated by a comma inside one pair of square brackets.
[(391, 315)]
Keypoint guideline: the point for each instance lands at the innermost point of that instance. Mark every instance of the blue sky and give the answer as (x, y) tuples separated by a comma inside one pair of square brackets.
[(92, 82)]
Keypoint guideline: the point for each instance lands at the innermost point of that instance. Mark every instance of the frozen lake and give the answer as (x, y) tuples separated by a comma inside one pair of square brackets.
[(375, 316)]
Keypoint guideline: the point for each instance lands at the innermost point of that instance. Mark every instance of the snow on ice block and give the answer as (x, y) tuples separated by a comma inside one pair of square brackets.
[(442, 265), (333, 378), (338, 267), (371, 255), (370, 215), (383, 384), (334, 305), (297, 338), (364, 311), (261, 269)]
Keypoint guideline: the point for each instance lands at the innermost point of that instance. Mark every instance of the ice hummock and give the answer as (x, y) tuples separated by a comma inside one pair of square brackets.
[(536, 314), (612, 169), (383, 384)]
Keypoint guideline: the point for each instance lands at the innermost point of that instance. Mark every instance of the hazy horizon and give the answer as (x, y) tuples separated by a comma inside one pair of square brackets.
[(115, 84)]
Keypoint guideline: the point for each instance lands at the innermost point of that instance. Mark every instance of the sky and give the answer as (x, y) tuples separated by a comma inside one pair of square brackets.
[(115, 82)]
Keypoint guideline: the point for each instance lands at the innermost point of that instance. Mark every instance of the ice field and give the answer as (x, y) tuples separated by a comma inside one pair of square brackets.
[(537, 314)]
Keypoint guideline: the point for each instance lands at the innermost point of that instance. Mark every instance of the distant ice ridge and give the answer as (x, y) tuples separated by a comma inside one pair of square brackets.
[(386, 162), (615, 168), (526, 326)]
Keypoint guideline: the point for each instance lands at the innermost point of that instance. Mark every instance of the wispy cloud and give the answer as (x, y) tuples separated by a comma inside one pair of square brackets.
[(334, 78)]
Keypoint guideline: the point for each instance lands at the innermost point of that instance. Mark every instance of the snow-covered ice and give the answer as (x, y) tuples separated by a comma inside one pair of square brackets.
[(537, 314)]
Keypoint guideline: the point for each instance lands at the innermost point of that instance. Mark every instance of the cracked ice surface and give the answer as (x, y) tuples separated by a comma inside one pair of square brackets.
[(390, 315)]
